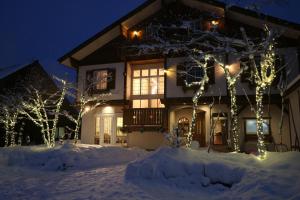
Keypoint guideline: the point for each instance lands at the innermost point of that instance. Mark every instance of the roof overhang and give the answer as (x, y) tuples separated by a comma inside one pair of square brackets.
[(109, 33)]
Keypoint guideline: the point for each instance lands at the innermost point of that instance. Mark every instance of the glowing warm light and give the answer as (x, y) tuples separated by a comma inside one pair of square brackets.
[(262, 157), (136, 34), (214, 23), (231, 77), (263, 79), (197, 96), (87, 108), (108, 109)]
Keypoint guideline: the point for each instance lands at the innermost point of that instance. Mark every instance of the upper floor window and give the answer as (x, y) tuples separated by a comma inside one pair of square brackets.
[(147, 86), (148, 81), (100, 80)]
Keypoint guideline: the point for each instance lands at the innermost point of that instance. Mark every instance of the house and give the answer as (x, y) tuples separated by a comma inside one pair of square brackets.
[(17, 79), (148, 94)]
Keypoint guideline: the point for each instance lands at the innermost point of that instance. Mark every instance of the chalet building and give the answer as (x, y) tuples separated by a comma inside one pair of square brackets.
[(149, 96)]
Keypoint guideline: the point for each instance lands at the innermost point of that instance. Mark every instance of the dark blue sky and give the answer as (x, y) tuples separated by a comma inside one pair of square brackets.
[(47, 29)]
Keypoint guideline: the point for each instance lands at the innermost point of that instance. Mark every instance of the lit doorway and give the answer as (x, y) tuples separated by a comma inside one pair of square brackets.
[(220, 128), (109, 130)]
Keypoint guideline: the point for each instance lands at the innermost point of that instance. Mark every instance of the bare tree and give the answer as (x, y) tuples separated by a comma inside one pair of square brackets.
[(44, 110), (264, 73), (10, 106), (85, 103)]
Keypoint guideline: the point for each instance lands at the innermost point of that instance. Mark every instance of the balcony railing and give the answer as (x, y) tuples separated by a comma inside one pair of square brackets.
[(145, 117)]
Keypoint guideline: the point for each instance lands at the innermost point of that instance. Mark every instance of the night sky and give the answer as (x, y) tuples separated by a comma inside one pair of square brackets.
[(47, 29)]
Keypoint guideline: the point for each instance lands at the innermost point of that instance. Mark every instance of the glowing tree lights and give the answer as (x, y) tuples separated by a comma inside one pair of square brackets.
[(9, 113), (201, 86), (44, 110), (9, 120), (84, 100), (264, 73), (212, 44), (231, 79)]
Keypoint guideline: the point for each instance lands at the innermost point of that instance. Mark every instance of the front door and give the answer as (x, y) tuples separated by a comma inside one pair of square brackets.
[(220, 132), (107, 133), (199, 133), (109, 129)]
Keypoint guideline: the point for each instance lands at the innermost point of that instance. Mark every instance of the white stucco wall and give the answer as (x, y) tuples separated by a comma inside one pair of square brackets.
[(146, 140)]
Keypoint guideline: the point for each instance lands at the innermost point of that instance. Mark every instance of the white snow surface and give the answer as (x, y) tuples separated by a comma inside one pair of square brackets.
[(93, 172)]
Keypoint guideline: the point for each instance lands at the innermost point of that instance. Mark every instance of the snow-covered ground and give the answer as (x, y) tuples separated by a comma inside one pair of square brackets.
[(93, 172)]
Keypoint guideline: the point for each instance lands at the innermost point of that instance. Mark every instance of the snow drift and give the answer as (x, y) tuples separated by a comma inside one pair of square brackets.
[(67, 156), (220, 175), (185, 168)]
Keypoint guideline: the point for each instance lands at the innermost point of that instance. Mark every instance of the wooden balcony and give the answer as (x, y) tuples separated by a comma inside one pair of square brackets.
[(145, 119)]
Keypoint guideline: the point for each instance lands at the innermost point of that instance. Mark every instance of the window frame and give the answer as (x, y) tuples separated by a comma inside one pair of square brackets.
[(110, 80), (148, 96), (249, 137)]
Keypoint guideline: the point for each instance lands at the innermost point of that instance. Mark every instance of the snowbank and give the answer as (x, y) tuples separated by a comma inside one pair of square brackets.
[(67, 156), (239, 176), (184, 168)]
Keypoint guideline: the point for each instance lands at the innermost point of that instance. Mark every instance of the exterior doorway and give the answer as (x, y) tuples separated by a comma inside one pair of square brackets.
[(109, 130), (199, 132), (183, 125), (220, 129)]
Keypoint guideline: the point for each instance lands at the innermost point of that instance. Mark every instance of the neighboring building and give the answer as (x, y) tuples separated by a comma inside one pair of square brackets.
[(148, 95), (17, 79)]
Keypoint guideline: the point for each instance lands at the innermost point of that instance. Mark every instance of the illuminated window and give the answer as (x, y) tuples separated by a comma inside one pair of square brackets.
[(148, 81), (121, 136), (101, 79), (147, 103), (251, 126), (97, 132), (107, 129), (144, 86), (144, 103), (147, 87), (136, 88)]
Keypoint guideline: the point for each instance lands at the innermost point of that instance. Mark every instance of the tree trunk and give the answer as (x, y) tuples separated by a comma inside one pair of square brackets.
[(259, 117), (234, 118)]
